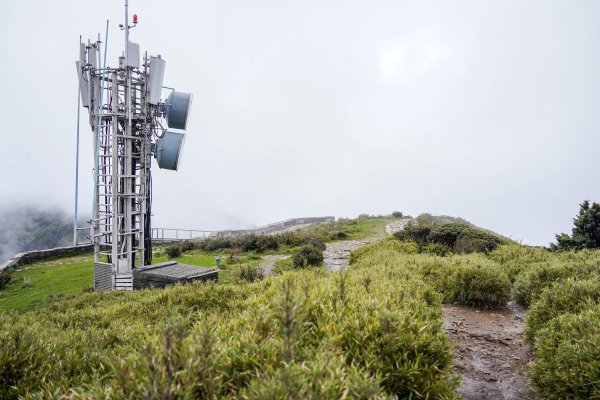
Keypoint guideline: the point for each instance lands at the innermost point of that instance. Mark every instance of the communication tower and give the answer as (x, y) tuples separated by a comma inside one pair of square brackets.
[(130, 124)]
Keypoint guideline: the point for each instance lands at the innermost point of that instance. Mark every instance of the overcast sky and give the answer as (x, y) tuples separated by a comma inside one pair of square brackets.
[(486, 110)]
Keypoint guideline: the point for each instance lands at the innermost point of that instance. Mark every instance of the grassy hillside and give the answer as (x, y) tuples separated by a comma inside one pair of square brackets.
[(32, 285), (374, 331), (368, 333)]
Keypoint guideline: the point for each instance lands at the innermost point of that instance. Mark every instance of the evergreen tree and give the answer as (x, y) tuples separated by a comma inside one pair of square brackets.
[(586, 232)]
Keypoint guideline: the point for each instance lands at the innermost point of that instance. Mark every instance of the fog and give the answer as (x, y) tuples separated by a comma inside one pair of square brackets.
[(485, 110)]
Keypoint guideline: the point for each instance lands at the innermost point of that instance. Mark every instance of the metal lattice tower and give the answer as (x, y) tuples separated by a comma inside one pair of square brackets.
[(126, 119)]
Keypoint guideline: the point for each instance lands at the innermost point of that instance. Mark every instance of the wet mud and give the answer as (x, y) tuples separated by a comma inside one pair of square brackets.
[(491, 354)]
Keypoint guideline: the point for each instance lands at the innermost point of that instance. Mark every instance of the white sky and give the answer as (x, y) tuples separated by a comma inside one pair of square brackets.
[(486, 110)]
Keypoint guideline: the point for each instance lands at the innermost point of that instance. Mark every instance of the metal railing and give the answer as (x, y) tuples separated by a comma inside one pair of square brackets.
[(173, 234), (166, 234)]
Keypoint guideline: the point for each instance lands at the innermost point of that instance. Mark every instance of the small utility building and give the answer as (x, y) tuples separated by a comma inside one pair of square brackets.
[(170, 273)]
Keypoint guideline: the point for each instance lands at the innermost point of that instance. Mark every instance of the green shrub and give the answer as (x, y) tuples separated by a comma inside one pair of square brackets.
[(532, 281), (425, 219), (250, 273), (435, 249), (253, 256), (567, 351), (291, 239), (567, 297), (516, 258), (173, 251), (465, 279), (480, 285), (218, 243), (308, 255), (327, 377), (4, 279), (232, 257), (261, 243), (187, 245), (388, 247), (319, 244), (340, 235), (455, 237), (397, 214), (469, 280), (414, 232), (464, 238), (466, 245), (248, 242), (407, 247)]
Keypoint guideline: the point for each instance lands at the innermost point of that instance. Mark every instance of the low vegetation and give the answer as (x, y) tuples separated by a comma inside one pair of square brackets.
[(250, 273), (174, 251), (4, 279), (374, 331), (536, 277), (464, 279), (451, 237), (565, 297), (309, 334), (308, 255), (71, 275), (516, 258), (567, 351), (342, 229), (562, 290)]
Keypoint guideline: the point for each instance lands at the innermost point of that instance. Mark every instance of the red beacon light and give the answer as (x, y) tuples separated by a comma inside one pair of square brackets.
[(135, 19)]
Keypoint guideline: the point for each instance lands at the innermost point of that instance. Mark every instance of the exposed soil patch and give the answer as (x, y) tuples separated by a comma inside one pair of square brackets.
[(490, 351), (268, 263)]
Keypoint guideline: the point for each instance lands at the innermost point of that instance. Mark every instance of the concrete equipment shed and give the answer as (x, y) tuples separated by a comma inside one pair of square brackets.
[(170, 273)]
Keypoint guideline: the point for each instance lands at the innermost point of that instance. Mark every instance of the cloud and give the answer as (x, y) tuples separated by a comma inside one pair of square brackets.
[(413, 57)]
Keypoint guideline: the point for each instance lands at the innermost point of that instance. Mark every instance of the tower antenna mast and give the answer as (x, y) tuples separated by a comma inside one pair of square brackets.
[(126, 116)]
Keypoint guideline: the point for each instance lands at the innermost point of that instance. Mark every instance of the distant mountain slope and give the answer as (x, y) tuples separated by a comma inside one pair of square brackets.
[(24, 228)]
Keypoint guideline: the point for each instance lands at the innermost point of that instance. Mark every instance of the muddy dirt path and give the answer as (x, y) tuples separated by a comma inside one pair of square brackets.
[(490, 351), (336, 256), (268, 262)]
